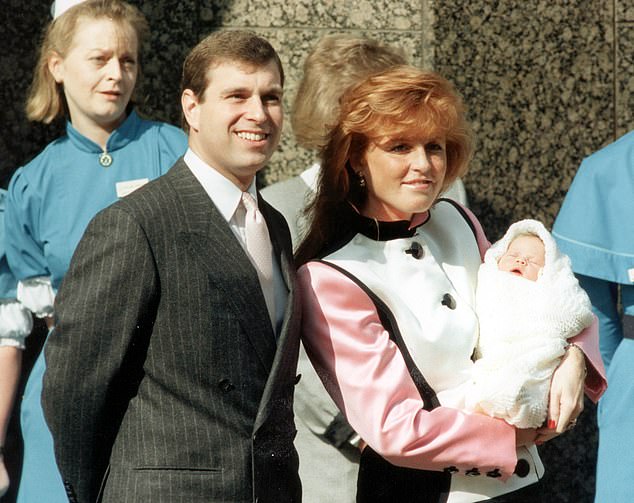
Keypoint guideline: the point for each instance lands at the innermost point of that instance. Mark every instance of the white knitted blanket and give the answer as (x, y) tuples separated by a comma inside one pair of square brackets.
[(523, 330)]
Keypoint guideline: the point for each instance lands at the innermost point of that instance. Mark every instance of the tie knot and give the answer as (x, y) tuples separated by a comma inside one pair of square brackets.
[(249, 202)]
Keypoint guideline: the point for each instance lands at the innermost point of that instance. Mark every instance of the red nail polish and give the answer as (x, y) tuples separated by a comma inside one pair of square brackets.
[(552, 424)]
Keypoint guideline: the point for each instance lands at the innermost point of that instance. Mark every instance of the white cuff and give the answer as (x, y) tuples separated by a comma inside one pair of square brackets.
[(37, 294), (15, 323)]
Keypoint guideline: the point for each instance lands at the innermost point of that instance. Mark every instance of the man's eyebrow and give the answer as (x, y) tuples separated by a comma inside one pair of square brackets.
[(277, 89), (235, 90)]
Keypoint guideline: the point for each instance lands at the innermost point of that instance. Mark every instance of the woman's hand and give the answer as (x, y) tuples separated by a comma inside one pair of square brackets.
[(566, 394)]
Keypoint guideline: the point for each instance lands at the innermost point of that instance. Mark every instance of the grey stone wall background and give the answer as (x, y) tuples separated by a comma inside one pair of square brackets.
[(546, 83)]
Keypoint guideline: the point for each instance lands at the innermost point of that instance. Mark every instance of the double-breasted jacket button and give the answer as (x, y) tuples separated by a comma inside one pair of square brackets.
[(415, 250), (474, 472), (450, 469), (448, 301), (226, 385), (494, 473), (522, 468)]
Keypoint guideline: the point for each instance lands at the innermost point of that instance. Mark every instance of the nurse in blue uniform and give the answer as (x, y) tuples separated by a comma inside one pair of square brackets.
[(86, 72), (595, 227)]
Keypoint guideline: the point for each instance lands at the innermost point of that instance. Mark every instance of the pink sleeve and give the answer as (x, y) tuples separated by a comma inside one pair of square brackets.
[(366, 376), (588, 342)]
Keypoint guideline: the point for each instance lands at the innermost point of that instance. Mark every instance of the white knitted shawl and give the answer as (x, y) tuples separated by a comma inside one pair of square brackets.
[(523, 330)]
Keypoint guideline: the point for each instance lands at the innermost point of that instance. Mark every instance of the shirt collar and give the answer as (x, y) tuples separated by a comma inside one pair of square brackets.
[(222, 191), (119, 138)]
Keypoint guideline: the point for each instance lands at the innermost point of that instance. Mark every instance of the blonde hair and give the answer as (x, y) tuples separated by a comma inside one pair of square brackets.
[(45, 101), (400, 99), (335, 63)]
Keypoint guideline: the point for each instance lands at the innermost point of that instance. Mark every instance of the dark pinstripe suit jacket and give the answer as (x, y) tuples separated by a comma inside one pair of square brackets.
[(164, 377)]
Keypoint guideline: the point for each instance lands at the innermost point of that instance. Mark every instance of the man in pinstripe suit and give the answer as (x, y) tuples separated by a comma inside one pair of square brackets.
[(168, 380)]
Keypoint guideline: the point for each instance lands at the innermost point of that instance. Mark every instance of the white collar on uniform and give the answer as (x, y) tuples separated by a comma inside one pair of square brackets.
[(222, 191)]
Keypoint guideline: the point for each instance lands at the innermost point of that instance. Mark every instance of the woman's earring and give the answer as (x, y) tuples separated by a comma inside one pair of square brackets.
[(362, 183)]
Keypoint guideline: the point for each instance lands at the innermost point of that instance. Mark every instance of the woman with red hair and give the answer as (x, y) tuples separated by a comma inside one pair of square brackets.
[(388, 276)]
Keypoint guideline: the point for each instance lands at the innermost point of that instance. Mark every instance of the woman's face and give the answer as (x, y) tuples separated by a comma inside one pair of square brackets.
[(404, 175), (98, 73)]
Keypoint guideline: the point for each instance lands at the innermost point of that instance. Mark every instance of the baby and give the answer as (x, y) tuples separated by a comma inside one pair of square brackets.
[(528, 303)]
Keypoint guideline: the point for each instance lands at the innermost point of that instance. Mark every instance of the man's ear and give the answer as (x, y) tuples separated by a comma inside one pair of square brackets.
[(55, 65), (191, 109)]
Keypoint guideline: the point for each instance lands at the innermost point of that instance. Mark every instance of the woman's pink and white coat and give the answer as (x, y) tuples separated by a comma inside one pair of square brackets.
[(432, 299)]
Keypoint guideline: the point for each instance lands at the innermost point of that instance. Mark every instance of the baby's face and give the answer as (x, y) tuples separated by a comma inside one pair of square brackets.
[(525, 257)]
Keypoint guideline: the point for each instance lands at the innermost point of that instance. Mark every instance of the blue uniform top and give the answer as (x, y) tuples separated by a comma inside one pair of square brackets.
[(595, 225), (53, 198)]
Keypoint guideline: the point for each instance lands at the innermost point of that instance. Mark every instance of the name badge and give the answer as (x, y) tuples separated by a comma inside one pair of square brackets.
[(630, 273), (129, 186)]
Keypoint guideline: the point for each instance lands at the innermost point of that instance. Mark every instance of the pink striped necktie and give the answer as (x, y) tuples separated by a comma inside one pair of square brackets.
[(260, 250)]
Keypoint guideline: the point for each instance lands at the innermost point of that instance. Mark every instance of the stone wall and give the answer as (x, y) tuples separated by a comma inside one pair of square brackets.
[(546, 83)]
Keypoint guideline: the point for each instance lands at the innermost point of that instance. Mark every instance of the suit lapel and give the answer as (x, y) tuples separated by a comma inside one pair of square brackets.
[(209, 237)]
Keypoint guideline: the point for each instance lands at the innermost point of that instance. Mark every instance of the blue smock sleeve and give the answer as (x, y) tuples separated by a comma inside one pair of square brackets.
[(8, 282), (172, 145), (24, 251), (15, 320)]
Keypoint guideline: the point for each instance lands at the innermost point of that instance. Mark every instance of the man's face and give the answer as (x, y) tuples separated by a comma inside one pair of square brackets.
[(236, 125)]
